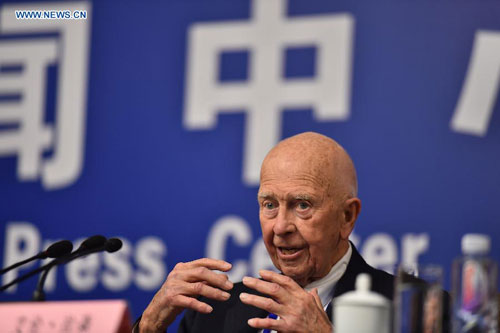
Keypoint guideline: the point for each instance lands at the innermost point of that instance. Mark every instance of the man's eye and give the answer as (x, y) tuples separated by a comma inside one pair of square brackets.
[(269, 205), (303, 205)]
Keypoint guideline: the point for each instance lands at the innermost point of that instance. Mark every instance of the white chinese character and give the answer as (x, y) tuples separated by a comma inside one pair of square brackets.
[(479, 92), (31, 136), (266, 93)]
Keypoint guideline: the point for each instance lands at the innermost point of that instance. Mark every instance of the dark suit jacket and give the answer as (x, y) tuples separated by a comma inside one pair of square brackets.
[(232, 315)]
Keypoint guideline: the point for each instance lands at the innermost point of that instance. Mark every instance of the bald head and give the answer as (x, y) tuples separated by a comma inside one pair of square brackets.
[(318, 158)]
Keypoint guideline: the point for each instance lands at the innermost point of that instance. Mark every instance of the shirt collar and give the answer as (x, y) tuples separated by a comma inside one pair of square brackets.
[(325, 285)]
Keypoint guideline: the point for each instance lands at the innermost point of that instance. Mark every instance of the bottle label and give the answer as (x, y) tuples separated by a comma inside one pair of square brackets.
[(474, 286)]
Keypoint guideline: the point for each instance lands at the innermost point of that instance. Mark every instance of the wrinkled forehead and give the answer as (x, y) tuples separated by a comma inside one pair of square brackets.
[(300, 168)]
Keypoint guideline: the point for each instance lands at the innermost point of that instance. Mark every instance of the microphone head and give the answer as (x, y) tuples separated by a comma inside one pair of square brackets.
[(113, 245), (92, 242), (58, 249)]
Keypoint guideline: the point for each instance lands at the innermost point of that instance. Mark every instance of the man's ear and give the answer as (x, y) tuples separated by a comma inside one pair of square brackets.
[(352, 207)]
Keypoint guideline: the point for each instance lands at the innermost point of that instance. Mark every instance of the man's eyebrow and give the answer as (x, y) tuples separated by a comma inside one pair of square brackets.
[(302, 196), (265, 195)]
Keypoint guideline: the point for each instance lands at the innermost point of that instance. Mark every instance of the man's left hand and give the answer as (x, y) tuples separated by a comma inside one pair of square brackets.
[(298, 309)]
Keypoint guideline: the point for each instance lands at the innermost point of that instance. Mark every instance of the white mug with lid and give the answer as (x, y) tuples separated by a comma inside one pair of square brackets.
[(361, 310)]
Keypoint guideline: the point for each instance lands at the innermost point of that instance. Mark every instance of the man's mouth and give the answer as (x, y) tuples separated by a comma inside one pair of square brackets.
[(288, 250)]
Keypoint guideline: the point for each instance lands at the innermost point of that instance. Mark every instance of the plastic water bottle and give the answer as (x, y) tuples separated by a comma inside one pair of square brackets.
[(474, 283)]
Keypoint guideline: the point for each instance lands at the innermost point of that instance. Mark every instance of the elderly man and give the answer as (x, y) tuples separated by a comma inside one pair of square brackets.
[(308, 207)]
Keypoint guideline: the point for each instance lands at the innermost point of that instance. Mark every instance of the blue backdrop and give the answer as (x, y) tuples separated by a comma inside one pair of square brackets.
[(148, 120)]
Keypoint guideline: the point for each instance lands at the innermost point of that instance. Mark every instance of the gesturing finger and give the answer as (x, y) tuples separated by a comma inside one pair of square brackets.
[(272, 324), (191, 303), (209, 263), (201, 289), (280, 279), (264, 287), (260, 302), (315, 294), (203, 274)]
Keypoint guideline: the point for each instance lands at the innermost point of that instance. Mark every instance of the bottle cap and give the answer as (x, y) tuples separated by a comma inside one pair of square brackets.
[(475, 244)]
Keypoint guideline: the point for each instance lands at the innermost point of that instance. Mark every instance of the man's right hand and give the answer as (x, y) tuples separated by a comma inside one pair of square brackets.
[(184, 284)]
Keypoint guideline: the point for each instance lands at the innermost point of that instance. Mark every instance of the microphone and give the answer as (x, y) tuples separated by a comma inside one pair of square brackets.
[(94, 243), (55, 250), (91, 245), (113, 245)]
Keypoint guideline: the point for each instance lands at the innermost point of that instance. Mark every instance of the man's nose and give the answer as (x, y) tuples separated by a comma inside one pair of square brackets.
[(284, 222)]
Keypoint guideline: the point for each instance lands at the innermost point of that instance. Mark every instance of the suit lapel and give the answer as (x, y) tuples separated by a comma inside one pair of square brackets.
[(356, 265)]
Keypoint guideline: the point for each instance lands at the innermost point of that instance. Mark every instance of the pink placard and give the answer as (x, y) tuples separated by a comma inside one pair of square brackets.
[(65, 316)]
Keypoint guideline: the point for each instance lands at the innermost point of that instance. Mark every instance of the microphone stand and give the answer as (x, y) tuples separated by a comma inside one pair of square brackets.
[(55, 250), (39, 293), (91, 244), (111, 245)]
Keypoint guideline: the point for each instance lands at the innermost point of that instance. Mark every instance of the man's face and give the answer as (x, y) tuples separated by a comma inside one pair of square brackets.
[(300, 220)]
